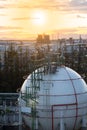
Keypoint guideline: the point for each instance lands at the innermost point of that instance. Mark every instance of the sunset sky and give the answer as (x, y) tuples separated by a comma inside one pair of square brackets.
[(25, 19)]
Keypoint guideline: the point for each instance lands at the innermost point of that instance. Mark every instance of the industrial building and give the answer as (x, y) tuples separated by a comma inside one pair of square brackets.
[(10, 112)]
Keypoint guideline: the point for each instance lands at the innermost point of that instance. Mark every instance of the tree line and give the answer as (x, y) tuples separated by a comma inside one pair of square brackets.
[(18, 64)]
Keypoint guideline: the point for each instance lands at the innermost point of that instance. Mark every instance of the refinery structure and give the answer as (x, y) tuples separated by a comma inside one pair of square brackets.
[(54, 96), (10, 112)]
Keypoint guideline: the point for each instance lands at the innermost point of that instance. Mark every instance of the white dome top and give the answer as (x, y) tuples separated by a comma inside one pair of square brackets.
[(64, 84)]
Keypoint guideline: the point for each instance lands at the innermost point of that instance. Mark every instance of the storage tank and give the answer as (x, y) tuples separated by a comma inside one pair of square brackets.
[(54, 98)]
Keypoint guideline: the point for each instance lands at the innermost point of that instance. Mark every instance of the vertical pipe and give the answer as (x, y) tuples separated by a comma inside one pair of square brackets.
[(52, 119), (36, 124), (84, 120), (20, 117), (62, 127)]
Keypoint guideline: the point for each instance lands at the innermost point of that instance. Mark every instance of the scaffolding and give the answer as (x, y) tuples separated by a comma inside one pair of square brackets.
[(31, 93), (35, 85), (38, 69), (10, 112)]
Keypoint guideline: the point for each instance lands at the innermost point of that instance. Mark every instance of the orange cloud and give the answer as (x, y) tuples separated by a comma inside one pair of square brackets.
[(9, 28)]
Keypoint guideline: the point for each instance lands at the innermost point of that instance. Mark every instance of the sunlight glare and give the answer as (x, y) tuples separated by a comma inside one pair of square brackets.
[(38, 17)]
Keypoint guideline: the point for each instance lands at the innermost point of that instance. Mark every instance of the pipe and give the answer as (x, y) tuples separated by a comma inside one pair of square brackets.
[(84, 124), (62, 126), (52, 110), (36, 121), (84, 120)]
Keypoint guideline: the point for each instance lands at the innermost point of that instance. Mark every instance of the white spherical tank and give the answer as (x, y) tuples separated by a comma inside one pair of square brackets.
[(59, 98)]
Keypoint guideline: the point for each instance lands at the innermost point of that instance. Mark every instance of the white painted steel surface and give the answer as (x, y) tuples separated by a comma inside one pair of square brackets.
[(63, 91)]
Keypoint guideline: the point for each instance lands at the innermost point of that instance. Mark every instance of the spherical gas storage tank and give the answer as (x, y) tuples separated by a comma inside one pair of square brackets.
[(57, 99)]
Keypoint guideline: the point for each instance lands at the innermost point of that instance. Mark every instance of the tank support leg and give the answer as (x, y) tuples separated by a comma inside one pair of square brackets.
[(84, 123), (62, 126)]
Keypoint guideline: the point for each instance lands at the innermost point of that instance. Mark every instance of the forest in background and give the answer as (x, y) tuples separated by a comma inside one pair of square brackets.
[(17, 64)]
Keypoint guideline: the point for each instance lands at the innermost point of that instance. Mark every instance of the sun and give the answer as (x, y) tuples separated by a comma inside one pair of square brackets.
[(38, 17)]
